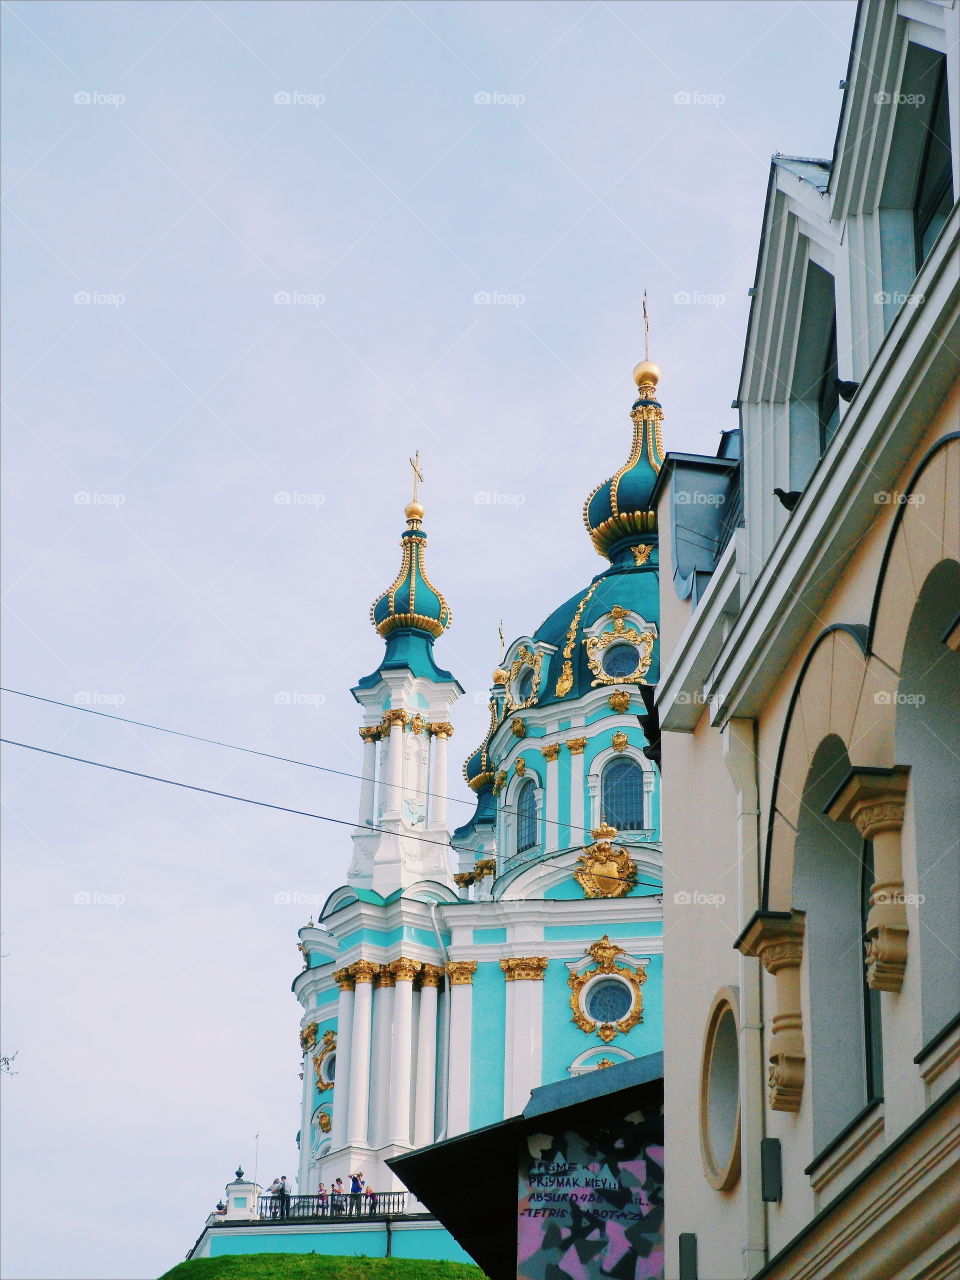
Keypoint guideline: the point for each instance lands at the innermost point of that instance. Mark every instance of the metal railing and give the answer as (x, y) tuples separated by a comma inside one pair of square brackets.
[(332, 1207)]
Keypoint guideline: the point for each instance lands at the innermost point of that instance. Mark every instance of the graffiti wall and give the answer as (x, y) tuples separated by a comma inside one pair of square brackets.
[(591, 1202)]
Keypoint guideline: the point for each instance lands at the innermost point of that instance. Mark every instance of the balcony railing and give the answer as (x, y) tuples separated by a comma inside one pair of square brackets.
[(332, 1207)]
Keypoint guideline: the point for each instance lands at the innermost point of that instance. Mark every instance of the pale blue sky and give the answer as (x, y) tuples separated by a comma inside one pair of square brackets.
[(157, 1036)]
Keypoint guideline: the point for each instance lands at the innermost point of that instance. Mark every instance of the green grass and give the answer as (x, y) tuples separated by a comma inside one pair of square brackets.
[(316, 1266)]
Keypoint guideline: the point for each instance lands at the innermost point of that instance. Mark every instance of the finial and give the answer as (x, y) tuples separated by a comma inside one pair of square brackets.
[(414, 508), (503, 646), (646, 328), (646, 371)]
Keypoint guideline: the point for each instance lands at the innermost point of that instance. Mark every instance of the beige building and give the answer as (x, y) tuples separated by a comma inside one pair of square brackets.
[(810, 596)]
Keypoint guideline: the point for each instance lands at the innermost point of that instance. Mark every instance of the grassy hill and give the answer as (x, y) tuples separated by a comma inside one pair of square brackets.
[(315, 1266)]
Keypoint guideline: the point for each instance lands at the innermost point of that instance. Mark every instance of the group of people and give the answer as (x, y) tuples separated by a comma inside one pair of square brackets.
[(338, 1200), (359, 1199)]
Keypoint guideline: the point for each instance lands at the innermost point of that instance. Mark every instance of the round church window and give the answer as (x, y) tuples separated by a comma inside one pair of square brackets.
[(608, 1000), (330, 1068), (720, 1094), (620, 661), (524, 684)]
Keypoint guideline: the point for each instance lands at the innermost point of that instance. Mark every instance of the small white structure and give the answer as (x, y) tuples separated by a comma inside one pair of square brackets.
[(242, 1199)]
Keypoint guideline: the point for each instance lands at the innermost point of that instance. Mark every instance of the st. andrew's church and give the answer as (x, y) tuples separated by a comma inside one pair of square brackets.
[(437, 996)]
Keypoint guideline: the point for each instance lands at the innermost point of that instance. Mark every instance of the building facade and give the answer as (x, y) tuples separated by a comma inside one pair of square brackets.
[(455, 972), (810, 595)]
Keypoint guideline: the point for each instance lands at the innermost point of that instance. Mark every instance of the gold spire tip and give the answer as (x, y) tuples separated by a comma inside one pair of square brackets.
[(414, 509)]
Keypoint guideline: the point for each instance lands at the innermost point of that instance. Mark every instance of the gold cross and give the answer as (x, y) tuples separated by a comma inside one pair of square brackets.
[(417, 475), (646, 328), (502, 644)]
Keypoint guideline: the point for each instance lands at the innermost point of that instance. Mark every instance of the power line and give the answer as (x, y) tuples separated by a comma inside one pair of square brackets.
[(266, 755), (262, 804)]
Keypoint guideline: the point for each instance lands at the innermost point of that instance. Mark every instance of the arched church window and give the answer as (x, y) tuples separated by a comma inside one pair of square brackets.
[(622, 803), (526, 817), (525, 684)]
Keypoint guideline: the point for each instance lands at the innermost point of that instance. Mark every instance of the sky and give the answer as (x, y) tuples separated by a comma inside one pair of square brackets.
[(256, 255)]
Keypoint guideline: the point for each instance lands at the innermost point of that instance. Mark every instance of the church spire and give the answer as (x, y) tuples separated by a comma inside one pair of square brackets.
[(617, 513), (412, 602)]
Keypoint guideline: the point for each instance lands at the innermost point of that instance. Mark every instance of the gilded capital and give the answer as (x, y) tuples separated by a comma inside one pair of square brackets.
[(460, 972), (872, 799), (464, 878), (403, 969), (485, 867), (371, 732), (385, 977), (396, 716), (524, 968), (431, 975), (440, 729), (576, 746), (364, 970), (344, 979), (550, 751)]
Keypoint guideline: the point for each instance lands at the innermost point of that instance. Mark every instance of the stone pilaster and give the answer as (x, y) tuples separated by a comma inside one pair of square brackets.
[(776, 939)]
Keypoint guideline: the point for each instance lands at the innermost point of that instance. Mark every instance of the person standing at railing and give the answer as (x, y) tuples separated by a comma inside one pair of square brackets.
[(370, 1198), (283, 1197), (273, 1203), (337, 1198), (323, 1200), (356, 1192)]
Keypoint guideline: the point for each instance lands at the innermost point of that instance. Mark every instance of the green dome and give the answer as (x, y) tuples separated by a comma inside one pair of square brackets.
[(412, 602)]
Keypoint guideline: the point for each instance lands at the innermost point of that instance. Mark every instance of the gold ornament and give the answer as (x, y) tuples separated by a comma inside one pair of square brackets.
[(431, 975), (605, 871), (603, 1064), (550, 751), (460, 972), (565, 679), (395, 716), (641, 554), (525, 658), (324, 1121), (500, 676), (344, 979), (619, 741), (642, 641), (619, 701), (576, 746), (464, 878), (364, 970), (499, 782), (329, 1047), (404, 970), (604, 955), (308, 1037), (518, 728), (385, 978), (524, 968), (485, 867), (371, 732), (520, 767), (418, 724), (440, 729)]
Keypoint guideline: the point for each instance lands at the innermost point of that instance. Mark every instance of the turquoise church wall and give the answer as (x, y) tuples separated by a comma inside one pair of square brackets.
[(487, 1045), (412, 1242)]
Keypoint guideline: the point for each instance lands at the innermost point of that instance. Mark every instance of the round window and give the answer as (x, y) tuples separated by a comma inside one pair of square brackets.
[(609, 1000), (330, 1068), (620, 660), (525, 684), (720, 1096)]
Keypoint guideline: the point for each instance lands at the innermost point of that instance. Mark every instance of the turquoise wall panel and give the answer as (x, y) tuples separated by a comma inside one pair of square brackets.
[(388, 937), (487, 1046), (489, 935), (439, 1245), (591, 932), (564, 891), (372, 1243)]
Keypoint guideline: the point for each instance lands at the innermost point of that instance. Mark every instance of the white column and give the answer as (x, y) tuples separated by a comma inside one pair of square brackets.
[(398, 1127), (426, 1082), (551, 831), (363, 972), (578, 832), (381, 1056), (438, 784), (368, 783), (392, 805), (341, 1085), (306, 1113), (460, 974), (524, 1048)]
